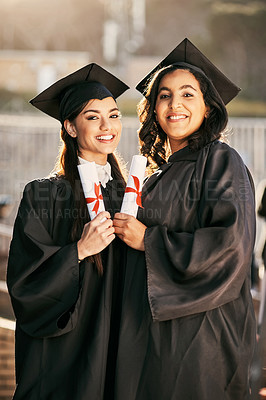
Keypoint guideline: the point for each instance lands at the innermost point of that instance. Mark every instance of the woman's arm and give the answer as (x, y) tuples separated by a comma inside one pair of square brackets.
[(43, 274), (191, 272)]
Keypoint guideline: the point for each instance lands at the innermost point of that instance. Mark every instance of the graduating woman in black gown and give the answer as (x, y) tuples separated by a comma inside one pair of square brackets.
[(65, 271), (187, 324)]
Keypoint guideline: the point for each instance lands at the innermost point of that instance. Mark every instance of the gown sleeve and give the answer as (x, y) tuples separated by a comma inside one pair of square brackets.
[(43, 273), (192, 272)]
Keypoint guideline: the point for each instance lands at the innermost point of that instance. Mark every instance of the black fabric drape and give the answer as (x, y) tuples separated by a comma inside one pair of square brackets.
[(67, 315), (188, 326)]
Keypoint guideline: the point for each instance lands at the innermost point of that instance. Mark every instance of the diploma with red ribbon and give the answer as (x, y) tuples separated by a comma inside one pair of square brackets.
[(91, 188), (132, 196)]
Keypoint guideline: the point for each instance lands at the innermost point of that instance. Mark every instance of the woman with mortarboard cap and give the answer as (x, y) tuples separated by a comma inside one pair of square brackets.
[(191, 330), (65, 273)]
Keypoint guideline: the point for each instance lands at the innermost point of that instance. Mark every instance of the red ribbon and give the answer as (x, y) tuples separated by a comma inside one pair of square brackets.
[(97, 199), (137, 191)]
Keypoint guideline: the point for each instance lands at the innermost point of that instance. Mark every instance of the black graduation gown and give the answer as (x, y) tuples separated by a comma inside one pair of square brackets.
[(67, 315), (188, 326)]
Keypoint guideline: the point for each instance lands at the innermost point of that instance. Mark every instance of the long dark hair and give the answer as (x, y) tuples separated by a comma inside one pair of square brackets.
[(66, 166), (153, 138)]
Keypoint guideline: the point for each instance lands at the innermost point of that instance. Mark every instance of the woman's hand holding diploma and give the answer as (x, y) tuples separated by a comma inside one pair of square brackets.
[(130, 230), (127, 227), (97, 234)]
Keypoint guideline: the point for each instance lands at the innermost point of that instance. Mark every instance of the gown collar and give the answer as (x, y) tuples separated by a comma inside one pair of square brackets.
[(183, 154), (104, 171), (186, 154)]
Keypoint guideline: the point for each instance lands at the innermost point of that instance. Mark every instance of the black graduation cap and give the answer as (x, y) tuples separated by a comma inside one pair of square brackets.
[(187, 53), (91, 81)]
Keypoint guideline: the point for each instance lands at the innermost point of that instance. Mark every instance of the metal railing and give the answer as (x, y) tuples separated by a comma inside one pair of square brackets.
[(30, 144), (29, 147)]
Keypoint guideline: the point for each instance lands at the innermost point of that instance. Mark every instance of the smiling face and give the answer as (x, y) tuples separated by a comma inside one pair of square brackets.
[(180, 108), (97, 129)]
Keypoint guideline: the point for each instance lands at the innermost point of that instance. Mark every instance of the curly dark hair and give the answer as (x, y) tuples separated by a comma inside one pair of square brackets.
[(153, 138)]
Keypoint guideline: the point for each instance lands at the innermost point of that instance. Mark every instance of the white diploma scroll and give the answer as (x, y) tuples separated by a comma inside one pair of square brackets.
[(132, 196), (91, 188)]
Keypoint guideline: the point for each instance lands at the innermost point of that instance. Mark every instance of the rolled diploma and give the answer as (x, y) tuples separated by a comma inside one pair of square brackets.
[(131, 200), (91, 188)]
